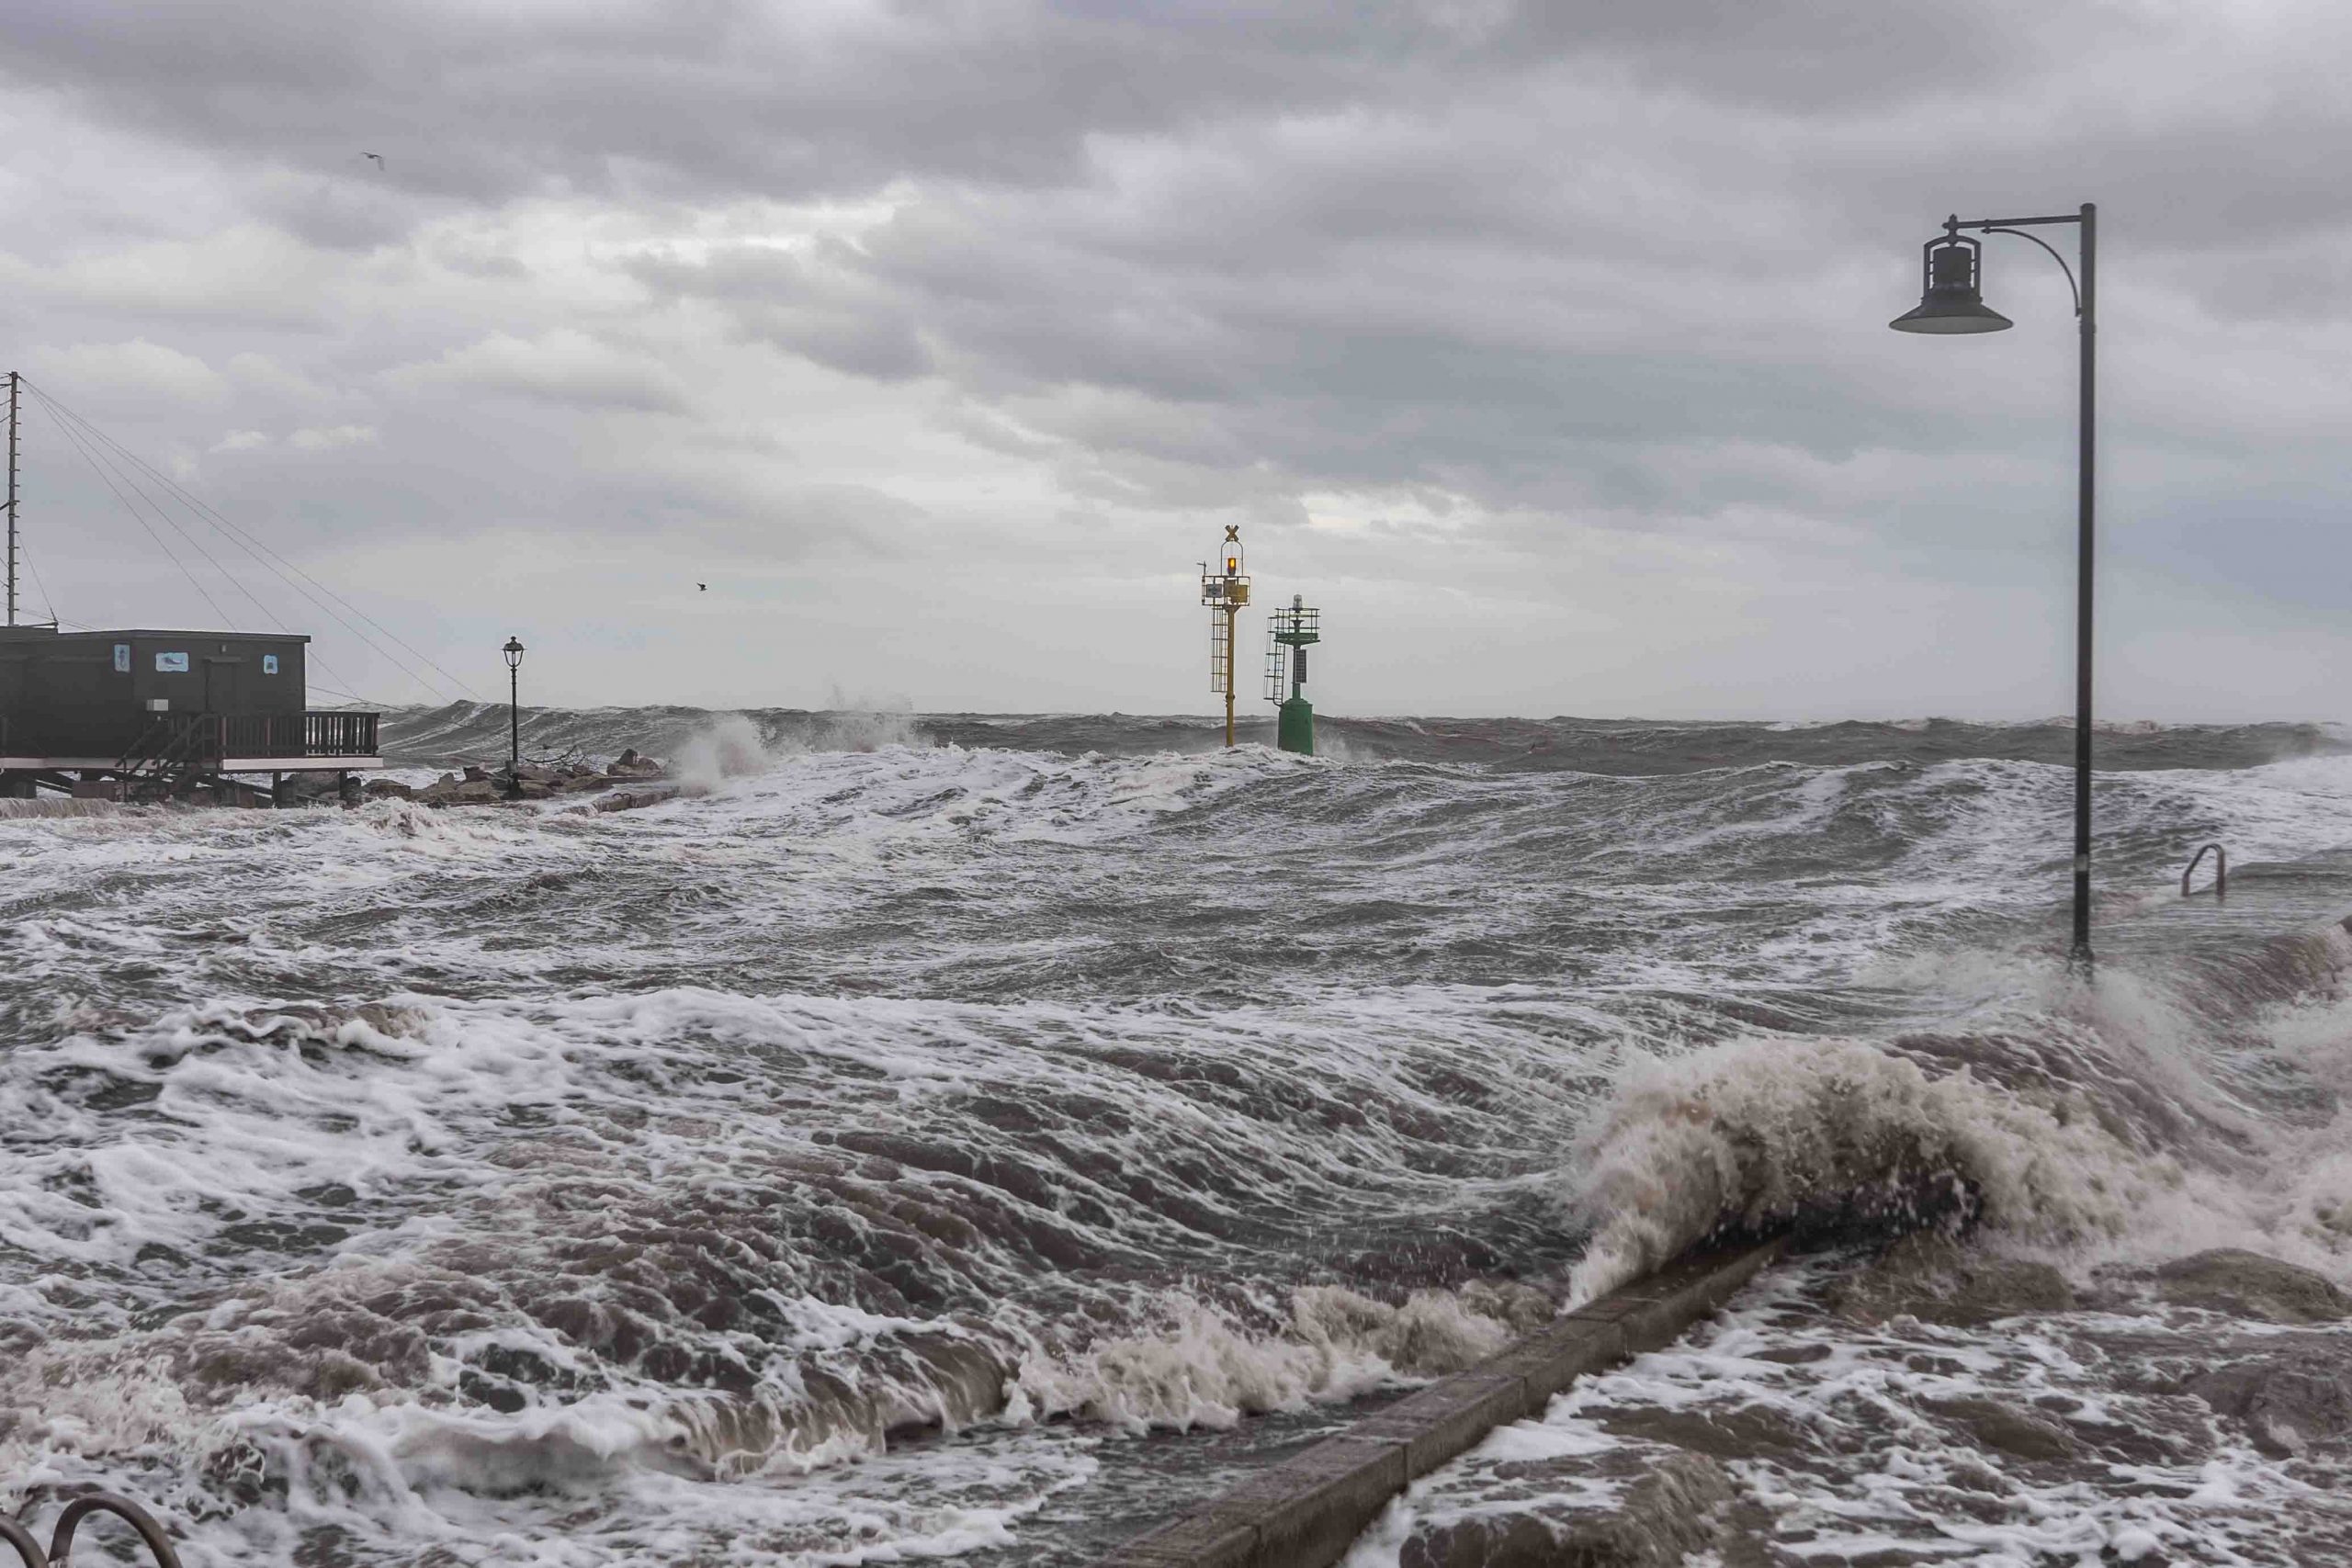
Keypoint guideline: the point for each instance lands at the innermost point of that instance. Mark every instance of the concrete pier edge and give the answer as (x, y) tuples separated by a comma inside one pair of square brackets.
[(1307, 1510)]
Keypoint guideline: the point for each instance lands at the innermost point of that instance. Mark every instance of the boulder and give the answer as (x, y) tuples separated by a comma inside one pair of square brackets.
[(1746, 1432), (2248, 1284), (1670, 1513), (631, 799), (1937, 1279), (299, 787), (2290, 1398), (2010, 1430)]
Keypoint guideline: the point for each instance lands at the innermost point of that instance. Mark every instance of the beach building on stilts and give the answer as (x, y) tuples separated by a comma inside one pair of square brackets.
[(218, 717)]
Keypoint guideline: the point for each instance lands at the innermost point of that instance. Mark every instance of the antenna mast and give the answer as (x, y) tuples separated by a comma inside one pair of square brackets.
[(12, 497)]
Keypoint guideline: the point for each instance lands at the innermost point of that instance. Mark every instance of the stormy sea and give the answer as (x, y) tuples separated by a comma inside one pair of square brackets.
[(981, 1138)]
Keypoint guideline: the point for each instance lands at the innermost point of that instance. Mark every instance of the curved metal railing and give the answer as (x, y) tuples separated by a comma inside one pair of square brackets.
[(60, 1539), (2221, 871), (28, 1549)]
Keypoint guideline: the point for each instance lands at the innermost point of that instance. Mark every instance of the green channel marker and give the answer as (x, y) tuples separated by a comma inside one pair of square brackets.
[(1294, 628)]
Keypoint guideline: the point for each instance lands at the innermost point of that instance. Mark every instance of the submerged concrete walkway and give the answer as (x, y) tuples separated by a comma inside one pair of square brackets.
[(1306, 1511)]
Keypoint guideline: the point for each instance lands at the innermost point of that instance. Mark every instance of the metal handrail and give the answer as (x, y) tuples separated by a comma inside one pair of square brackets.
[(2221, 871), (182, 750), (144, 746), (29, 1550), (60, 1539)]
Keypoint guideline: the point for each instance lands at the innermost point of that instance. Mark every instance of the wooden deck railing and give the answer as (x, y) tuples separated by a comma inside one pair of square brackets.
[(296, 734), (205, 736), (339, 734)]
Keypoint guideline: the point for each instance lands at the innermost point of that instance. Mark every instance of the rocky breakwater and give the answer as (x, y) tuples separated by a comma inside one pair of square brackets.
[(629, 781)]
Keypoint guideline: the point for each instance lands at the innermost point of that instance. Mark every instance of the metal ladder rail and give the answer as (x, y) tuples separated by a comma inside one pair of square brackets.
[(174, 762), (60, 1539), (2221, 870), (1220, 668), (150, 774), (141, 752)]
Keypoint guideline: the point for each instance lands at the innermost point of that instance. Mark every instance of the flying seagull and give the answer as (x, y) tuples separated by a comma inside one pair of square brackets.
[(379, 160), (702, 587)]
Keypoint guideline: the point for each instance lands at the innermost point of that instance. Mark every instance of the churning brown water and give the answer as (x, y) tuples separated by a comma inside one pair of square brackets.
[(976, 1138)]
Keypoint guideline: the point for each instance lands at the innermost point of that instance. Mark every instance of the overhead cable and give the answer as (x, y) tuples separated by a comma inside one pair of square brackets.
[(261, 551), (269, 614), (86, 429), (67, 431)]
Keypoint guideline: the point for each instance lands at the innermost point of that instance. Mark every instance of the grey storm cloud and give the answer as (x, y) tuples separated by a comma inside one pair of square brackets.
[(948, 296), (565, 368)]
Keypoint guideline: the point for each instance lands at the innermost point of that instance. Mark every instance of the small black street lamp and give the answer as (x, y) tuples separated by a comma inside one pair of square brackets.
[(513, 652), (1950, 301)]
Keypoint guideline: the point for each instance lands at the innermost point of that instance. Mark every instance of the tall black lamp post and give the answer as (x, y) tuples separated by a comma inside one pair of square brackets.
[(513, 652), (1950, 301)]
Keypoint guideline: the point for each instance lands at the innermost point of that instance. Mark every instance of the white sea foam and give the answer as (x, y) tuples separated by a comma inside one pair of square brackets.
[(1202, 1372), (51, 808), (1026, 1097), (399, 1106), (2038, 1437)]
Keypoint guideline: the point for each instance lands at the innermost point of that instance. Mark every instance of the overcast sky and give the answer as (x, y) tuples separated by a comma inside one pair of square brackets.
[(1543, 346)]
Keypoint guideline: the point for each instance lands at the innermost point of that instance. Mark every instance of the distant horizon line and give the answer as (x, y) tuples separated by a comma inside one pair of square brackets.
[(2054, 721)]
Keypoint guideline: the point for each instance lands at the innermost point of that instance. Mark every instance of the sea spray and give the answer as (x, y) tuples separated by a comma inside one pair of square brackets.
[(731, 747), (735, 745)]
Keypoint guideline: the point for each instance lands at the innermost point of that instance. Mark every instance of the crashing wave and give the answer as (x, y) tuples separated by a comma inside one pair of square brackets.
[(1761, 1135)]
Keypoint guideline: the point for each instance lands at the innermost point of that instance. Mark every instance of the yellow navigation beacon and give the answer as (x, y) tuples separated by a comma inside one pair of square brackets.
[(1224, 592)]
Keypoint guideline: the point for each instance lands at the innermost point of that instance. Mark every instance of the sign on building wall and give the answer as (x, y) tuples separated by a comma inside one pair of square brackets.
[(122, 658), (269, 665), (171, 664)]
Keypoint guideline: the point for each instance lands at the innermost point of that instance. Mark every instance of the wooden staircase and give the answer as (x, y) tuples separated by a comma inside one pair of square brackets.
[(175, 753)]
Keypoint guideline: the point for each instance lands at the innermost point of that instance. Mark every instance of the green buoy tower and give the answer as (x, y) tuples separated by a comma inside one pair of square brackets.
[(1288, 634)]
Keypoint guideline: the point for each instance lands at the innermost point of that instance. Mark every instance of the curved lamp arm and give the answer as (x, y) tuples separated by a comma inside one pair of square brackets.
[(2071, 284)]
